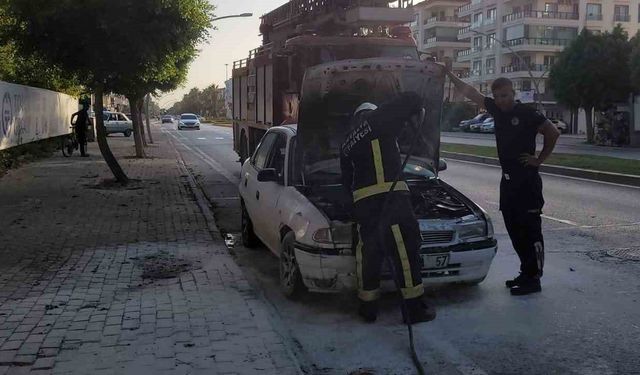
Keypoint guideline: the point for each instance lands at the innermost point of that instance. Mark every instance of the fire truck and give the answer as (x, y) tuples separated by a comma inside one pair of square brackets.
[(301, 34)]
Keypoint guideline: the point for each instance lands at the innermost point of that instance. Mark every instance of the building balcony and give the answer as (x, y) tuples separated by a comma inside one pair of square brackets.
[(621, 17), (446, 21), (540, 14), (537, 44), (524, 71), (467, 54), (467, 9), (440, 41), (594, 17)]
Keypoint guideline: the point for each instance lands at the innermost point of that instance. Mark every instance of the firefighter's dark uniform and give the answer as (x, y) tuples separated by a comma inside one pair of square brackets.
[(370, 161), (521, 198)]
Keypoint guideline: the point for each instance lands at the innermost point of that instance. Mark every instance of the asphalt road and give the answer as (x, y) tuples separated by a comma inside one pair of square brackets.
[(586, 320)]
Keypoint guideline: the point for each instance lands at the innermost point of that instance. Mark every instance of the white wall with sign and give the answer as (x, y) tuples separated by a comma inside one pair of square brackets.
[(29, 114)]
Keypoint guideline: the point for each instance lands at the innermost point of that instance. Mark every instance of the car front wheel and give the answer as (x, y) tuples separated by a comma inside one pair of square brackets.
[(127, 133), (290, 278), (249, 238)]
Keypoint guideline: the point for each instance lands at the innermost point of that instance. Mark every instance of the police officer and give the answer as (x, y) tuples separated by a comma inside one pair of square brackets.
[(370, 161), (521, 198), (80, 120)]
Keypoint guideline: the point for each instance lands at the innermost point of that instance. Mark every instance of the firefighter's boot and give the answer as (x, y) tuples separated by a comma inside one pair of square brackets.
[(417, 311), (368, 311)]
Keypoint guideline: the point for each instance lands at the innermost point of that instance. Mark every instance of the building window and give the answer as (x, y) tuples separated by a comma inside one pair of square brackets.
[(621, 13), (594, 12), (477, 44), (491, 15), (491, 40), (526, 85), (477, 68), (491, 65), (550, 7), (549, 61), (477, 20)]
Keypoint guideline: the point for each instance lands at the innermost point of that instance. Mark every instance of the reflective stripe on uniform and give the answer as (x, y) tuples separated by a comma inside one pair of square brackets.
[(359, 261), (402, 253), (377, 161), (413, 292), (378, 189), (369, 295)]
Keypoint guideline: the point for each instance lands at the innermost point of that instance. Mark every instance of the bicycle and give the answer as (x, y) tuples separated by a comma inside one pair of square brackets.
[(70, 143)]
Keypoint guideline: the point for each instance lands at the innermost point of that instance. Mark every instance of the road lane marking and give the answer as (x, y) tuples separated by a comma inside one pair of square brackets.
[(563, 221), (219, 138), (209, 161), (202, 139)]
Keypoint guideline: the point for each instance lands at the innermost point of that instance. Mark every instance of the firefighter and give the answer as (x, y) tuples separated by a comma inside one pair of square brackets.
[(521, 199), (370, 161)]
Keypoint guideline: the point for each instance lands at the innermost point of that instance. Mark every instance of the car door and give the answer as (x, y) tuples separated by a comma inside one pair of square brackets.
[(111, 122), (123, 122), (249, 183), (269, 192)]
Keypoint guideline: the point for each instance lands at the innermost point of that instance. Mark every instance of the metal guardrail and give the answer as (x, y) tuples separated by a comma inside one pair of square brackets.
[(538, 41), (464, 30), (443, 19), (621, 17), (524, 68), (540, 14)]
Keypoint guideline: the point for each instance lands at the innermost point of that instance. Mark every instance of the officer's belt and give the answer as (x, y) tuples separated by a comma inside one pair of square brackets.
[(376, 189)]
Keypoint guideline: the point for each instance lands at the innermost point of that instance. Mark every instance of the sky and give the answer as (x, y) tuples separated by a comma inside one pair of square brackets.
[(232, 41)]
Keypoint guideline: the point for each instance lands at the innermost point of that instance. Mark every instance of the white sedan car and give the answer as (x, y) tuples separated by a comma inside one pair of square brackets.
[(309, 227)]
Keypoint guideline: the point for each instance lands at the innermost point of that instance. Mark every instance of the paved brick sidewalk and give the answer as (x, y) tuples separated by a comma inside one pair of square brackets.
[(85, 275)]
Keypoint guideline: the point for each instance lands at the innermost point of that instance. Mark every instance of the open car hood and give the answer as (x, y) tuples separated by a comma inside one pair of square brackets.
[(330, 94)]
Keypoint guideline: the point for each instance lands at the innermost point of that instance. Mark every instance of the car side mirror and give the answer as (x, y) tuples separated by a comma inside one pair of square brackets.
[(268, 174), (442, 165)]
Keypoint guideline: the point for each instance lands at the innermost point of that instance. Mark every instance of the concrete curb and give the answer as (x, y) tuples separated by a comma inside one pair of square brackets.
[(616, 178)]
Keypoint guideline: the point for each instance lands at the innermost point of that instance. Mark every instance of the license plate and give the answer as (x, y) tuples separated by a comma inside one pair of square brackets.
[(435, 261)]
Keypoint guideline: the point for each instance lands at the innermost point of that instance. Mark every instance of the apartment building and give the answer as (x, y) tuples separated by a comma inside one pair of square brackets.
[(435, 30), (520, 39)]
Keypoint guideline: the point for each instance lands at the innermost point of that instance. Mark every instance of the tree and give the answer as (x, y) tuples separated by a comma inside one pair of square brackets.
[(592, 72), (106, 42)]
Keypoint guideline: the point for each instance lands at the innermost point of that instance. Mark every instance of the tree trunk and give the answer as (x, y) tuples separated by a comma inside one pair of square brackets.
[(137, 134), (101, 137), (148, 118), (138, 105), (590, 130)]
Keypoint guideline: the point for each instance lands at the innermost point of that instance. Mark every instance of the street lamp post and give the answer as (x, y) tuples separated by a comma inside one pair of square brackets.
[(233, 16), (536, 82)]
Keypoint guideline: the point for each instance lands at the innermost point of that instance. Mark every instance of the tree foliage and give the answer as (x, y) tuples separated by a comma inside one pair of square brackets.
[(208, 102), (592, 72), (119, 46)]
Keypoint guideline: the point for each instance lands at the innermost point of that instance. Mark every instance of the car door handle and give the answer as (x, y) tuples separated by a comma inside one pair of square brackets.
[(257, 195)]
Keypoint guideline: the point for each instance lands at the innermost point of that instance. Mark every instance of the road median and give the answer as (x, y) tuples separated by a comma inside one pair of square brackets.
[(598, 168)]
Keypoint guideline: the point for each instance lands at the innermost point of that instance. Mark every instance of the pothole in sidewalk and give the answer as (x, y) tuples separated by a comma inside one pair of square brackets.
[(164, 265), (629, 253)]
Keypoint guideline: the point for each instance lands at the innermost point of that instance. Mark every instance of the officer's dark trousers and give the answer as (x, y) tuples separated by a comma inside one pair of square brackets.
[(521, 205), (81, 137), (394, 233)]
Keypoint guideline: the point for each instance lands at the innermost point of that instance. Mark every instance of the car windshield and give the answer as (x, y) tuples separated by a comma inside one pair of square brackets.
[(188, 117)]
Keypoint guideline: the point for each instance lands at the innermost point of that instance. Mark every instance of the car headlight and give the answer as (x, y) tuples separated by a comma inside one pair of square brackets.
[(181, 123), (322, 235), (490, 231), (473, 229), (339, 234)]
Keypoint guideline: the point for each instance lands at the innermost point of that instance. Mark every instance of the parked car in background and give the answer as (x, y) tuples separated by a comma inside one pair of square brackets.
[(560, 125), (465, 125), (188, 121), (117, 122), (167, 119), (488, 126)]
